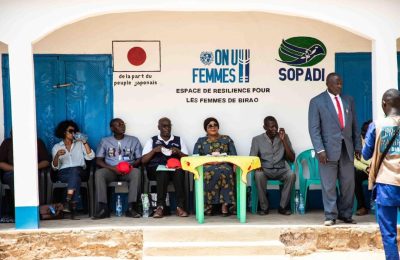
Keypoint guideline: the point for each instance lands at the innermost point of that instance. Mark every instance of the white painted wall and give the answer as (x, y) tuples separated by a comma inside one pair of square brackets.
[(371, 19), (244, 30), (183, 36)]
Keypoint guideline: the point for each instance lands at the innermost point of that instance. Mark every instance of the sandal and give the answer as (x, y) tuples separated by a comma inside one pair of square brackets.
[(208, 210), (224, 210), (232, 209)]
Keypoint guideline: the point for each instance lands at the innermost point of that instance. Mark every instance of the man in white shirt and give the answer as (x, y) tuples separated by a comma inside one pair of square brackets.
[(156, 152), (332, 125)]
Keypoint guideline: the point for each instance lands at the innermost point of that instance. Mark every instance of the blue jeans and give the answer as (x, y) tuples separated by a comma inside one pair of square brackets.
[(387, 218), (73, 177)]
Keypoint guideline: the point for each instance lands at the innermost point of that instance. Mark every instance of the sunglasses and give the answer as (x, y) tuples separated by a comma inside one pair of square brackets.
[(71, 131), (212, 125)]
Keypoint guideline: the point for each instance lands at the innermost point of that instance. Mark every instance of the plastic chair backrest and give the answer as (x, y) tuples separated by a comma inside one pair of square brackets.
[(291, 165), (310, 157)]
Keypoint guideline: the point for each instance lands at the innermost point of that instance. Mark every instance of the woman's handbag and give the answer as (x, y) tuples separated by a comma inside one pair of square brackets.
[(51, 211)]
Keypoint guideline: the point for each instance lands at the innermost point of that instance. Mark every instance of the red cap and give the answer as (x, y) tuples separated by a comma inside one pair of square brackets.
[(174, 163), (124, 167)]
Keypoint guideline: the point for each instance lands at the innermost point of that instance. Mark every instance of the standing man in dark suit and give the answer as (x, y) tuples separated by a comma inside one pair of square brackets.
[(332, 125)]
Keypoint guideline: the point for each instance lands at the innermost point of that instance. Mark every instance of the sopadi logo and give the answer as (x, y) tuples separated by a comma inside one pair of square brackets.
[(301, 52)]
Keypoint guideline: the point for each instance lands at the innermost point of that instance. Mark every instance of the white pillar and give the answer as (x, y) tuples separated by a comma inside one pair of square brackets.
[(22, 88), (384, 71)]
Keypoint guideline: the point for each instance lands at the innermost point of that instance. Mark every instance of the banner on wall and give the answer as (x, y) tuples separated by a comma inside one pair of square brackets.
[(220, 75), (136, 56), (300, 53), (223, 66)]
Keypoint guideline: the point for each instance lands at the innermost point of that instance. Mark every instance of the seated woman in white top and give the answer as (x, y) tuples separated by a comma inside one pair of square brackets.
[(69, 157)]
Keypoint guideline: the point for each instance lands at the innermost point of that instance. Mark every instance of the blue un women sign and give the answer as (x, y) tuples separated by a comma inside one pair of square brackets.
[(223, 66)]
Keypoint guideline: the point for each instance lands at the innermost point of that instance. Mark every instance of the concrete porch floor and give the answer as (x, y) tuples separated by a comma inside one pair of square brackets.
[(301, 237), (310, 219)]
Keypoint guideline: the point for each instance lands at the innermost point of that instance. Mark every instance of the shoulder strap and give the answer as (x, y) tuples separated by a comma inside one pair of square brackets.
[(396, 133)]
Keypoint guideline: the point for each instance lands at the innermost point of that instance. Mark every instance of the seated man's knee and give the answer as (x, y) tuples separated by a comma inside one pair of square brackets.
[(259, 175), (179, 173), (135, 174), (292, 176), (100, 174)]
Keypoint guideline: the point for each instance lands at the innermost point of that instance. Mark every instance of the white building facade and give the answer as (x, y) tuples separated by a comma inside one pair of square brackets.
[(183, 84)]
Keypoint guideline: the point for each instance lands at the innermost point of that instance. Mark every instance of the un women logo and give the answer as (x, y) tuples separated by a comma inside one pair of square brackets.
[(206, 57)]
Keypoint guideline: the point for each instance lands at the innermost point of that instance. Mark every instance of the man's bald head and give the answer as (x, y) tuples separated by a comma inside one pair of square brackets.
[(391, 100), (392, 97), (164, 119)]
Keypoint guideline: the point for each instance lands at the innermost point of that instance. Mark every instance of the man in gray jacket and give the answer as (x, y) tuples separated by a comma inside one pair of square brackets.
[(332, 125), (273, 147)]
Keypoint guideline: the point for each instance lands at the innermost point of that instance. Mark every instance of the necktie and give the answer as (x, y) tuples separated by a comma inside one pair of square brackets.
[(340, 115)]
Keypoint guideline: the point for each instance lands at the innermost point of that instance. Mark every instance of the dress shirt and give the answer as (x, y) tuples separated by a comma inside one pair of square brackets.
[(336, 108), (74, 158), (149, 145)]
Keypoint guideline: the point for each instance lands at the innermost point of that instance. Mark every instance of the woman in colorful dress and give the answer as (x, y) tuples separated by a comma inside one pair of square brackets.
[(219, 181)]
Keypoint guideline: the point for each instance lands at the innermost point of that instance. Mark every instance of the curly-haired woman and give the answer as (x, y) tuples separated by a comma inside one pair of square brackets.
[(69, 157)]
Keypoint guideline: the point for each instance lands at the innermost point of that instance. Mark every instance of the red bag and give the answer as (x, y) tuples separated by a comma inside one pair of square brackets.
[(174, 163), (124, 167)]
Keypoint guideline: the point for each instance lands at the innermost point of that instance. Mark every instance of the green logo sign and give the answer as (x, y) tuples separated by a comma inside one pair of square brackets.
[(302, 51)]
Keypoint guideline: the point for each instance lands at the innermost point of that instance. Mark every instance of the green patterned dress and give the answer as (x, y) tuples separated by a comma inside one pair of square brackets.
[(219, 179)]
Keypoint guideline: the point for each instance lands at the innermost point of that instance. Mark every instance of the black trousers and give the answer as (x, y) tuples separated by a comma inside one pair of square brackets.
[(359, 177), (162, 178), (8, 178)]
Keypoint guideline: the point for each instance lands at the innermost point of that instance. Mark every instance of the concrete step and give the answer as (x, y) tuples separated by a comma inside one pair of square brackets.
[(214, 248), (215, 257), (210, 233)]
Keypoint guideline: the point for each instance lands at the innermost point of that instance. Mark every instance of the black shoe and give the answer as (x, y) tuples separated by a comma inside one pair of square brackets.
[(72, 207), (100, 214), (285, 212), (131, 213), (347, 220), (67, 207), (225, 214), (263, 212), (7, 220)]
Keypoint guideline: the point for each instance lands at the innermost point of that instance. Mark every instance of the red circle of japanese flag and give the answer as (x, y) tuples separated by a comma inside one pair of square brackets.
[(136, 56)]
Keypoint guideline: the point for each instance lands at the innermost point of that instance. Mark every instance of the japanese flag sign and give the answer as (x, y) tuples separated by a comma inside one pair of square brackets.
[(136, 56)]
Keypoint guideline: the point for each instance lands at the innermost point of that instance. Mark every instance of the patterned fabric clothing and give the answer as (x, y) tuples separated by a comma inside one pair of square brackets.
[(219, 181)]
